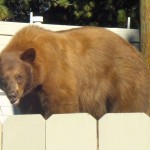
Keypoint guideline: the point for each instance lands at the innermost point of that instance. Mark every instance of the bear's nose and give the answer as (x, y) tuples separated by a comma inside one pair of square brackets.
[(12, 96)]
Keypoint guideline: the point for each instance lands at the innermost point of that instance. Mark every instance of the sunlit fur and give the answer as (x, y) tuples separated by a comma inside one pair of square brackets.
[(88, 69)]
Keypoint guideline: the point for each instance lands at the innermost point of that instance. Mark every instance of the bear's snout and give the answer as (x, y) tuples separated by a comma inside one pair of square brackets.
[(13, 97)]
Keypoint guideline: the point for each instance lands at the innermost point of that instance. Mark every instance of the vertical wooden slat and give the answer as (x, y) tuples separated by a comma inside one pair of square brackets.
[(124, 132), (71, 132), (3, 118), (24, 132)]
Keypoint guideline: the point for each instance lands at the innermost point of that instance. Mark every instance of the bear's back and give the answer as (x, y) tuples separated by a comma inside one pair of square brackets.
[(89, 68)]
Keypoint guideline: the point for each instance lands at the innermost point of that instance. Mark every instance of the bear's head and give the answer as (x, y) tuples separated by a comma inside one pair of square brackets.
[(16, 74)]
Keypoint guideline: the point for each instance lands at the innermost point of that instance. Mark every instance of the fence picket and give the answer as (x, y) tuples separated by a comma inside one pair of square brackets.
[(71, 132), (24, 132), (126, 131)]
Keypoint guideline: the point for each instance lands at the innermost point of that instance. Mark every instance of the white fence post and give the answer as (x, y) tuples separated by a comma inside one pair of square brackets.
[(129, 23), (35, 19)]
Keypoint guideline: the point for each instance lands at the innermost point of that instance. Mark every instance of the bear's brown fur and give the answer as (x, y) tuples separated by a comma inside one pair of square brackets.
[(89, 69)]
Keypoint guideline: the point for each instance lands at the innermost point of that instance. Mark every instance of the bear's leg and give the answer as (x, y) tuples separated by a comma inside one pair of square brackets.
[(58, 104), (31, 104), (135, 102)]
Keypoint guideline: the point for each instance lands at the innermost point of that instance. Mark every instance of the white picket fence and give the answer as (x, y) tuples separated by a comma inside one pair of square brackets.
[(76, 132), (70, 131)]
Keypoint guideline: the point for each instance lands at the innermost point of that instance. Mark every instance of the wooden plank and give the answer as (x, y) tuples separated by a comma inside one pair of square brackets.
[(4, 39), (71, 132), (4, 100), (6, 108), (124, 132), (3, 118), (10, 28), (131, 35), (24, 132)]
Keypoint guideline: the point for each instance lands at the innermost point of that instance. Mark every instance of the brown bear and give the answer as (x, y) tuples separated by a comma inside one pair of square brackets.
[(88, 69)]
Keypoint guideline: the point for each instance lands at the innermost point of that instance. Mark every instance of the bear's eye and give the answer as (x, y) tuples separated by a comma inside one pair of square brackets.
[(19, 78)]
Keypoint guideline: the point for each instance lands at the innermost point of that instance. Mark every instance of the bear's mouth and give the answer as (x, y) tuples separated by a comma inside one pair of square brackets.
[(15, 101), (14, 97)]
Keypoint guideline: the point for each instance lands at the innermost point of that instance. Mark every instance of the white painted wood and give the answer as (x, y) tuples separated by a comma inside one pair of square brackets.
[(131, 35), (24, 132), (10, 28), (130, 131), (3, 118), (4, 40), (0, 136), (4, 100), (6, 108), (71, 132)]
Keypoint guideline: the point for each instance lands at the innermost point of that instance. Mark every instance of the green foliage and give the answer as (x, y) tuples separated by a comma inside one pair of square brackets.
[(2, 2), (84, 10), (63, 3), (4, 11), (121, 17), (108, 13)]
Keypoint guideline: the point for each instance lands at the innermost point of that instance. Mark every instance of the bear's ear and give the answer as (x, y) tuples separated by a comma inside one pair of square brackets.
[(29, 55)]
